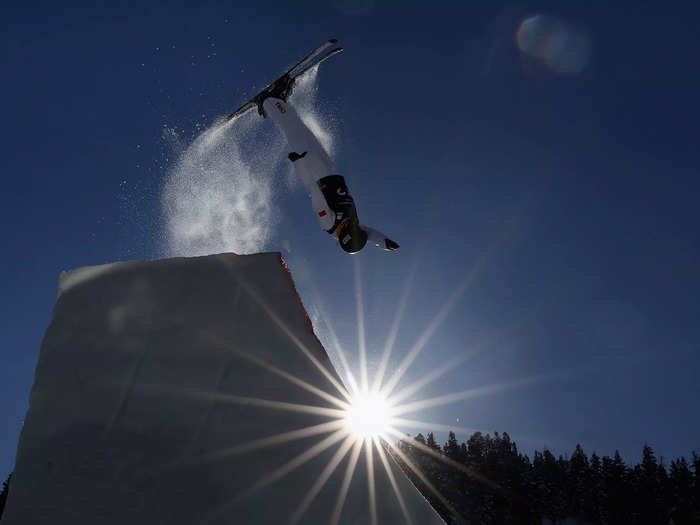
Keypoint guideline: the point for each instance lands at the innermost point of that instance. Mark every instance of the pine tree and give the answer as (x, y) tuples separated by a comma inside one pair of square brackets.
[(596, 511), (578, 498), (430, 441), (3, 494), (549, 478), (451, 447), (681, 491), (696, 487), (476, 450), (649, 487), (615, 479)]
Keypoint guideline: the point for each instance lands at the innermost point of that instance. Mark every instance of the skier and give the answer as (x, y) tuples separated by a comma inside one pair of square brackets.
[(330, 198)]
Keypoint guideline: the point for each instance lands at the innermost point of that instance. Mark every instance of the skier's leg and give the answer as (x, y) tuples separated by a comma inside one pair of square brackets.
[(311, 161)]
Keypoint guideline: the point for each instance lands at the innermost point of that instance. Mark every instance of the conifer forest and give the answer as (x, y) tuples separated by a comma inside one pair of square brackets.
[(486, 480)]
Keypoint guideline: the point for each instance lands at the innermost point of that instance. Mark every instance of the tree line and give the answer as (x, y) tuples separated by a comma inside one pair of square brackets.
[(486, 480)]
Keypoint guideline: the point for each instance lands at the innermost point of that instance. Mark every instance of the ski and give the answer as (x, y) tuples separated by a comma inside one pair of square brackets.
[(243, 109), (297, 74), (287, 79), (308, 58)]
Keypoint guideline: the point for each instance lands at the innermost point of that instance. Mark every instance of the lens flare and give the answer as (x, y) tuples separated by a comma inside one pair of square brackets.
[(369, 415), (555, 43)]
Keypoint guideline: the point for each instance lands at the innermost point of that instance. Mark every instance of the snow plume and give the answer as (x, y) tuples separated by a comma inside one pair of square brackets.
[(304, 100), (220, 194)]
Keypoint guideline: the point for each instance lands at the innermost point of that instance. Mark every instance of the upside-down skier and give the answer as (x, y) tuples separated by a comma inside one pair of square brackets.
[(330, 198)]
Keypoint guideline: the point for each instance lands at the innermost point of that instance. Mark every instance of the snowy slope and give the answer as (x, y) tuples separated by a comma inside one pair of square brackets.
[(152, 394)]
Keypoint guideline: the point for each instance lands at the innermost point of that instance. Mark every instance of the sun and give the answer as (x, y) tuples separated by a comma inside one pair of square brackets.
[(369, 415)]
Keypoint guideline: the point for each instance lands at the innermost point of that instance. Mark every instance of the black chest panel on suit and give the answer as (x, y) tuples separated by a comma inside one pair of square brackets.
[(338, 198)]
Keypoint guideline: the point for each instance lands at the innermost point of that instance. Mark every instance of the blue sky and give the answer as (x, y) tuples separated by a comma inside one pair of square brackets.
[(567, 200)]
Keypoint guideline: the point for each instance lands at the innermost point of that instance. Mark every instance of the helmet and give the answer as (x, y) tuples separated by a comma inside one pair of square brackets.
[(351, 237)]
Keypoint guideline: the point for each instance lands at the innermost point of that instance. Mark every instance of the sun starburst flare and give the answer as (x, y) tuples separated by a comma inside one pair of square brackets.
[(369, 415), (364, 418)]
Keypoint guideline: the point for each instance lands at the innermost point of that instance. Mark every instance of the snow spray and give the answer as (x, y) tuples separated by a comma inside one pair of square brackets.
[(219, 196)]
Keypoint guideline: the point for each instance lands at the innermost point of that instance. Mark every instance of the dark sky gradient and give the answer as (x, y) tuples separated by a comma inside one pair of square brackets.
[(569, 201)]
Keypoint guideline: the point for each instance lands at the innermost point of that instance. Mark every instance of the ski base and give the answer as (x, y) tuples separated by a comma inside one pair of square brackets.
[(284, 85)]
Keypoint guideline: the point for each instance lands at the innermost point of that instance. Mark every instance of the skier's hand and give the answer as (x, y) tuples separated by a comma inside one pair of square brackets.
[(390, 245)]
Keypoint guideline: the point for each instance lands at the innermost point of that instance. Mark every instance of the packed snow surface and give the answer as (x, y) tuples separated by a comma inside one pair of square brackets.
[(193, 391)]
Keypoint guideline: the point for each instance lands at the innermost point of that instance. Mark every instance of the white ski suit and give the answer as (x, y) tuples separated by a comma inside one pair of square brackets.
[(330, 198)]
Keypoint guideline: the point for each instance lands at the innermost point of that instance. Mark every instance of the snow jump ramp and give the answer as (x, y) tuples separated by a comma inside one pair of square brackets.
[(178, 391)]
